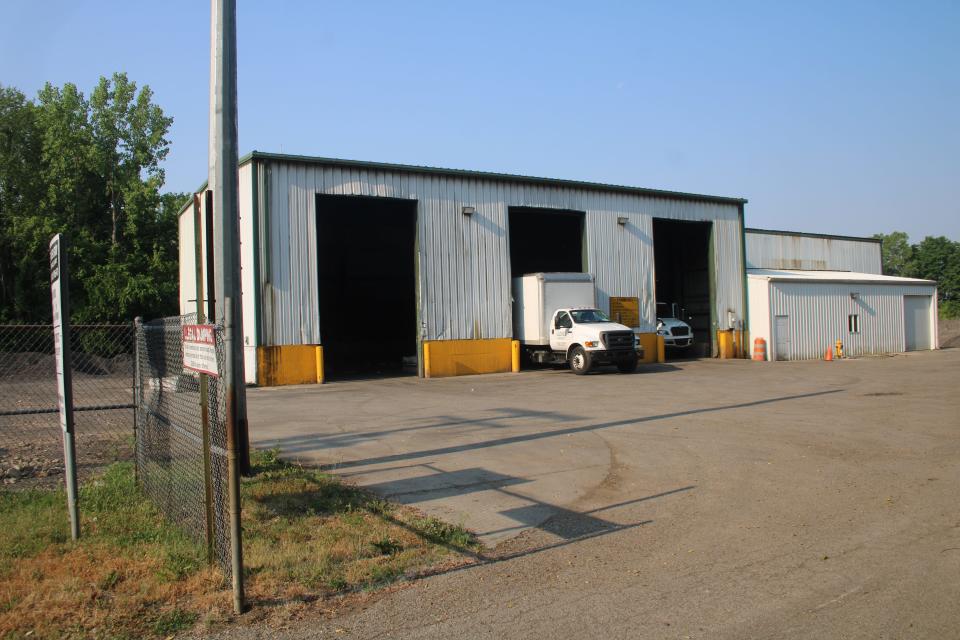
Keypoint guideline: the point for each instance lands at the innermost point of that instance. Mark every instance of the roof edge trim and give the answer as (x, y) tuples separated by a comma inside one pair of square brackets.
[(804, 234), (488, 175)]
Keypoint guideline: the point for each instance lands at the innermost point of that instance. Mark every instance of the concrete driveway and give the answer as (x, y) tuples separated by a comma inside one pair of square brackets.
[(712, 499), (500, 454)]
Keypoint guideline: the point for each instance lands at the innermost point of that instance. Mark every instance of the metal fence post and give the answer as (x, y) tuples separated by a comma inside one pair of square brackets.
[(137, 397)]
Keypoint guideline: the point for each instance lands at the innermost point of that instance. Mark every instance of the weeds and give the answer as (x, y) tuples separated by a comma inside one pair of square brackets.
[(174, 621), (306, 536)]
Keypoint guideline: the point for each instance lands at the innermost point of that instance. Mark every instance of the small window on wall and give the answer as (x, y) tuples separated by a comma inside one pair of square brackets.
[(853, 323)]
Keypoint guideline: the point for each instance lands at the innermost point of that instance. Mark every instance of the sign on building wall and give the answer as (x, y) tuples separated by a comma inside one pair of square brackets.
[(200, 348), (625, 310)]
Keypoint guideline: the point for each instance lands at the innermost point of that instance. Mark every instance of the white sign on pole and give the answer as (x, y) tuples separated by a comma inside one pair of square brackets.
[(60, 298), (60, 348), (200, 349)]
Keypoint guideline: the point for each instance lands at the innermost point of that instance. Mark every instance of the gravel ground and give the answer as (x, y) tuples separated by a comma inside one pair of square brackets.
[(746, 500), (31, 445)]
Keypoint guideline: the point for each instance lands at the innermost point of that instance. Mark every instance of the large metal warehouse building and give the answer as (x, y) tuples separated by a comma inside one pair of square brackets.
[(806, 291), (352, 267)]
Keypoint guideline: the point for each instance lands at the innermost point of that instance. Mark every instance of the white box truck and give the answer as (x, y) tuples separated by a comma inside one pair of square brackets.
[(556, 320)]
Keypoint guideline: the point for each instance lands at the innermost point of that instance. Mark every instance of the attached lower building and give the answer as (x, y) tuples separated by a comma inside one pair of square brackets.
[(800, 314)]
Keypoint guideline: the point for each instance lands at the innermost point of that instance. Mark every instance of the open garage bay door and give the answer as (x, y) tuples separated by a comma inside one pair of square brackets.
[(367, 284), (546, 240), (681, 253)]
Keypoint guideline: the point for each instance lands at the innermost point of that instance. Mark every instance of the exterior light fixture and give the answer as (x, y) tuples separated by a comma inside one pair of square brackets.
[(468, 211), (854, 295), (622, 221)]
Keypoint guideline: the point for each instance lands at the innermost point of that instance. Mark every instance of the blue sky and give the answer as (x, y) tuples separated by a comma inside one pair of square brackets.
[(829, 117)]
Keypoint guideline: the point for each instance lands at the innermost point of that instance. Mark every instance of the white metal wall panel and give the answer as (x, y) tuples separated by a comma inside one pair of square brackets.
[(758, 293), (247, 284), (771, 250), (188, 283), (188, 276), (818, 313), (464, 268)]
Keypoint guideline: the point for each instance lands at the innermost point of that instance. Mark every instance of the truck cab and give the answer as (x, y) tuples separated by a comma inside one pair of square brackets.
[(675, 332), (586, 337)]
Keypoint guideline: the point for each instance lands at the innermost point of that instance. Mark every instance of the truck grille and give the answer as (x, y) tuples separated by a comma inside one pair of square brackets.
[(617, 339), (679, 331)]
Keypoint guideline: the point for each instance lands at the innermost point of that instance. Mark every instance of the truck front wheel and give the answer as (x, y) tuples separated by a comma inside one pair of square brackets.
[(580, 362)]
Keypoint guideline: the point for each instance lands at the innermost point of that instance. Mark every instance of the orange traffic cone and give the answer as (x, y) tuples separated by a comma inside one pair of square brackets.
[(828, 356)]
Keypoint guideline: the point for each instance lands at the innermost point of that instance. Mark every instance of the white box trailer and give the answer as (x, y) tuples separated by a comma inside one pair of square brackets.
[(537, 295)]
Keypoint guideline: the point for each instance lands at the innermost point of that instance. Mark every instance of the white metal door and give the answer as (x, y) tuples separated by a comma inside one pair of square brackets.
[(781, 334), (916, 322), (560, 331)]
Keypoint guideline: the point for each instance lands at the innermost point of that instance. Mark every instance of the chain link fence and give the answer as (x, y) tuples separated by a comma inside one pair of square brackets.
[(31, 440), (170, 418)]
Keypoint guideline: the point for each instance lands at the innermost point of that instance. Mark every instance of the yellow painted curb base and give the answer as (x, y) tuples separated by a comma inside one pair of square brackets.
[(289, 364), (652, 347), (444, 358)]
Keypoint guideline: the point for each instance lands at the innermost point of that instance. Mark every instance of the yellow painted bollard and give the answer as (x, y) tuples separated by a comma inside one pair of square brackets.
[(725, 340), (515, 356), (319, 364), (426, 359), (661, 349)]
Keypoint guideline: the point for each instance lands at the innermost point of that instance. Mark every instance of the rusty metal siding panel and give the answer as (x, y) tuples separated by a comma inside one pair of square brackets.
[(770, 250), (817, 314), (464, 261)]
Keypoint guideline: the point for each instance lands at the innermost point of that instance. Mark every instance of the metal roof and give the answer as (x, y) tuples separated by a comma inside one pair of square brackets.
[(487, 175), (784, 275), (804, 234)]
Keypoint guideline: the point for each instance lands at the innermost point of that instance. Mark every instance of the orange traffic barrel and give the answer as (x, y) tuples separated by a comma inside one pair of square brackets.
[(759, 349)]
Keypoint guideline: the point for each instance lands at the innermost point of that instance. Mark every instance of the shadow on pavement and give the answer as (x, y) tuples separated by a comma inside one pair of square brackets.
[(306, 443)]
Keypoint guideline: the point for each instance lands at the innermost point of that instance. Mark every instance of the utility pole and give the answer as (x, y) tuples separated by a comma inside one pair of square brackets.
[(223, 180)]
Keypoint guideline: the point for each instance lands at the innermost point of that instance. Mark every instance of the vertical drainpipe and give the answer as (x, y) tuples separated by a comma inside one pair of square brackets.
[(746, 297), (255, 220), (712, 283)]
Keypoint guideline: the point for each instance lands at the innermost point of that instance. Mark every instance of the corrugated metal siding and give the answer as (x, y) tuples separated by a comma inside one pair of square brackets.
[(464, 260), (818, 313), (786, 251)]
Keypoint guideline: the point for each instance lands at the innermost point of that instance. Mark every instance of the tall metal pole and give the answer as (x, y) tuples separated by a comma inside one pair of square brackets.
[(223, 178)]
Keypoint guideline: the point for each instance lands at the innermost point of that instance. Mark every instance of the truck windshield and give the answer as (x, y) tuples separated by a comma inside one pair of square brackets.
[(589, 315)]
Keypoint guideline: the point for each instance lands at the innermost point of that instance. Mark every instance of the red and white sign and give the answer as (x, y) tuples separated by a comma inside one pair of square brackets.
[(200, 348)]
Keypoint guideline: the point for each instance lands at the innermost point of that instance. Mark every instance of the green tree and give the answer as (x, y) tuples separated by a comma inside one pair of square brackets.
[(90, 169), (938, 258), (21, 189), (895, 252)]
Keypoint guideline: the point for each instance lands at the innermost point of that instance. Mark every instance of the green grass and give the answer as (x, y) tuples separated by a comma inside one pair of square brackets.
[(113, 512), (307, 529), (171, 622), (132, 574)]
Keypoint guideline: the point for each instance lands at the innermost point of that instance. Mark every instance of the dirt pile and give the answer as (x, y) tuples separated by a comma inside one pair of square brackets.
[(949, 332)]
